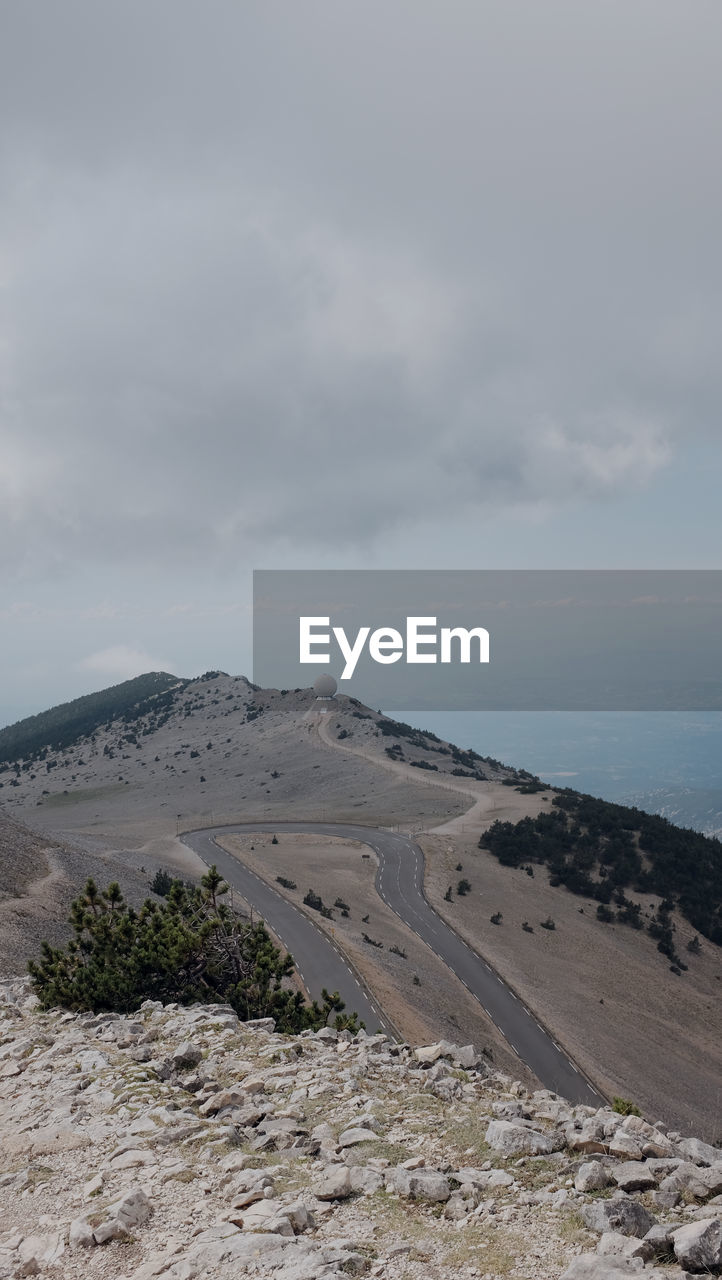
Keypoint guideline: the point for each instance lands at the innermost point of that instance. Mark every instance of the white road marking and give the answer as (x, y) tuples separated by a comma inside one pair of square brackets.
[(386, 867)]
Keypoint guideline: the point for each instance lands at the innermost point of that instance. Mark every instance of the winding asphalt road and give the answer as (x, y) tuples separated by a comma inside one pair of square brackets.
[(399, 882)]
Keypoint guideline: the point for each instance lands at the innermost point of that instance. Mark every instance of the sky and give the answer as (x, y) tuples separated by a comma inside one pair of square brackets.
[(324, 285)]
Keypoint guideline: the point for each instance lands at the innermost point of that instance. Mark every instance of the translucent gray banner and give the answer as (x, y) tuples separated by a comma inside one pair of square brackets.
[(503, 640)]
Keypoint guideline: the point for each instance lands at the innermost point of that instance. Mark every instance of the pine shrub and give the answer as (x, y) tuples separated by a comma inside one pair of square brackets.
[(191, 948)]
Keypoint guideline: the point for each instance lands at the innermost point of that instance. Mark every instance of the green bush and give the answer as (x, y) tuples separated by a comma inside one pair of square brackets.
[(316, 903), (624, 1107), (161, 883), (193, 947), (597, 849)]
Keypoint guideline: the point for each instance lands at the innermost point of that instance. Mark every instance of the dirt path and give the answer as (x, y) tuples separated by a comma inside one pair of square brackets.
[(490, 800), (29, 913)]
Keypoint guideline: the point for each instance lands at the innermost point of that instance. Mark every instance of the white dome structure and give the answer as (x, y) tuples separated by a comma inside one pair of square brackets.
[(325, 686)]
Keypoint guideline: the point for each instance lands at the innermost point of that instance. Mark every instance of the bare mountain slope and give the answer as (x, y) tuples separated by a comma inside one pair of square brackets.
[(221, 750), (23, 857), (39, 878)]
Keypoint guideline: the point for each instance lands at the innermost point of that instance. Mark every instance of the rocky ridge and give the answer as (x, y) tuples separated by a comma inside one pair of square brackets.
[(180, 1143)]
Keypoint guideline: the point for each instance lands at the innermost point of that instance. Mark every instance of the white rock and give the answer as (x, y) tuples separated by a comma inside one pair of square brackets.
[(351, 1137), (515, 1139), (81, 1234), (621, 1214), (632, 1175), (419, 1184), (625, 1146), (187, 1055), (335, 1184), (132, 1159), (592, 1176), (428, 1053), (133, 1209), (590, 1266), (113, 1229), (613, 1243), (365, 1180), (699, 1152), (93, 1187), (699, 1245), (91, 1060), (42, 1250)]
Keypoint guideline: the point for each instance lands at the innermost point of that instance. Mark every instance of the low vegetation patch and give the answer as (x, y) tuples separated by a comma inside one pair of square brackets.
[(192, 947), (600, 849)]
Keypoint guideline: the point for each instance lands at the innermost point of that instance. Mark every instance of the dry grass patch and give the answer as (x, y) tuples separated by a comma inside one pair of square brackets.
[(394, 1152), (466, 1132), (298, 1178), (494, 1249), (573, 1231), (183, 1175), (490, 1248)]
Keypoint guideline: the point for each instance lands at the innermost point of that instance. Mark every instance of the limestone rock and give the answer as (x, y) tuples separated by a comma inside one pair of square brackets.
[(699, 1245), (365, 1180), (587, 1137), (335, 1184), (221, 1099), (624, 1146), (48, 1140), (91, 1060), (428, 1053), (133, 1208), (660, 1238), (84, 1115), (699, 1152), (592, 1176), (352, 1137), (419, 1184), (694, 1180), (513, 1139), (132, 1159), (590, 1266), (81, 1234), (614, 1244), (186, 1056), (633, 1176), (621, 1214), (40, 1251)]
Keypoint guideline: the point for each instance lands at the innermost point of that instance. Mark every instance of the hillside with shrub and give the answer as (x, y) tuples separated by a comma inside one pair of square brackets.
[(61, 726), (192, 947), (599, 850)]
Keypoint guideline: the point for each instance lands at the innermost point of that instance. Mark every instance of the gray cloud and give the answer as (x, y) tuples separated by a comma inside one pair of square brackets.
[(279, 275)]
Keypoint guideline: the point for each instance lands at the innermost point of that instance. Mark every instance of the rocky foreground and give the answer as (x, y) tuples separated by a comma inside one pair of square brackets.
[(181, 1143)]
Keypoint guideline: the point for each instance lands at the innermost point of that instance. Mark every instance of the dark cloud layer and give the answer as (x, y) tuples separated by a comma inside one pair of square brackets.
[(273, 273)]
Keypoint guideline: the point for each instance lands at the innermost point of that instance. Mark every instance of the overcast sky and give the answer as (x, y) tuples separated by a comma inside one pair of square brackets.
[(322, 284)]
